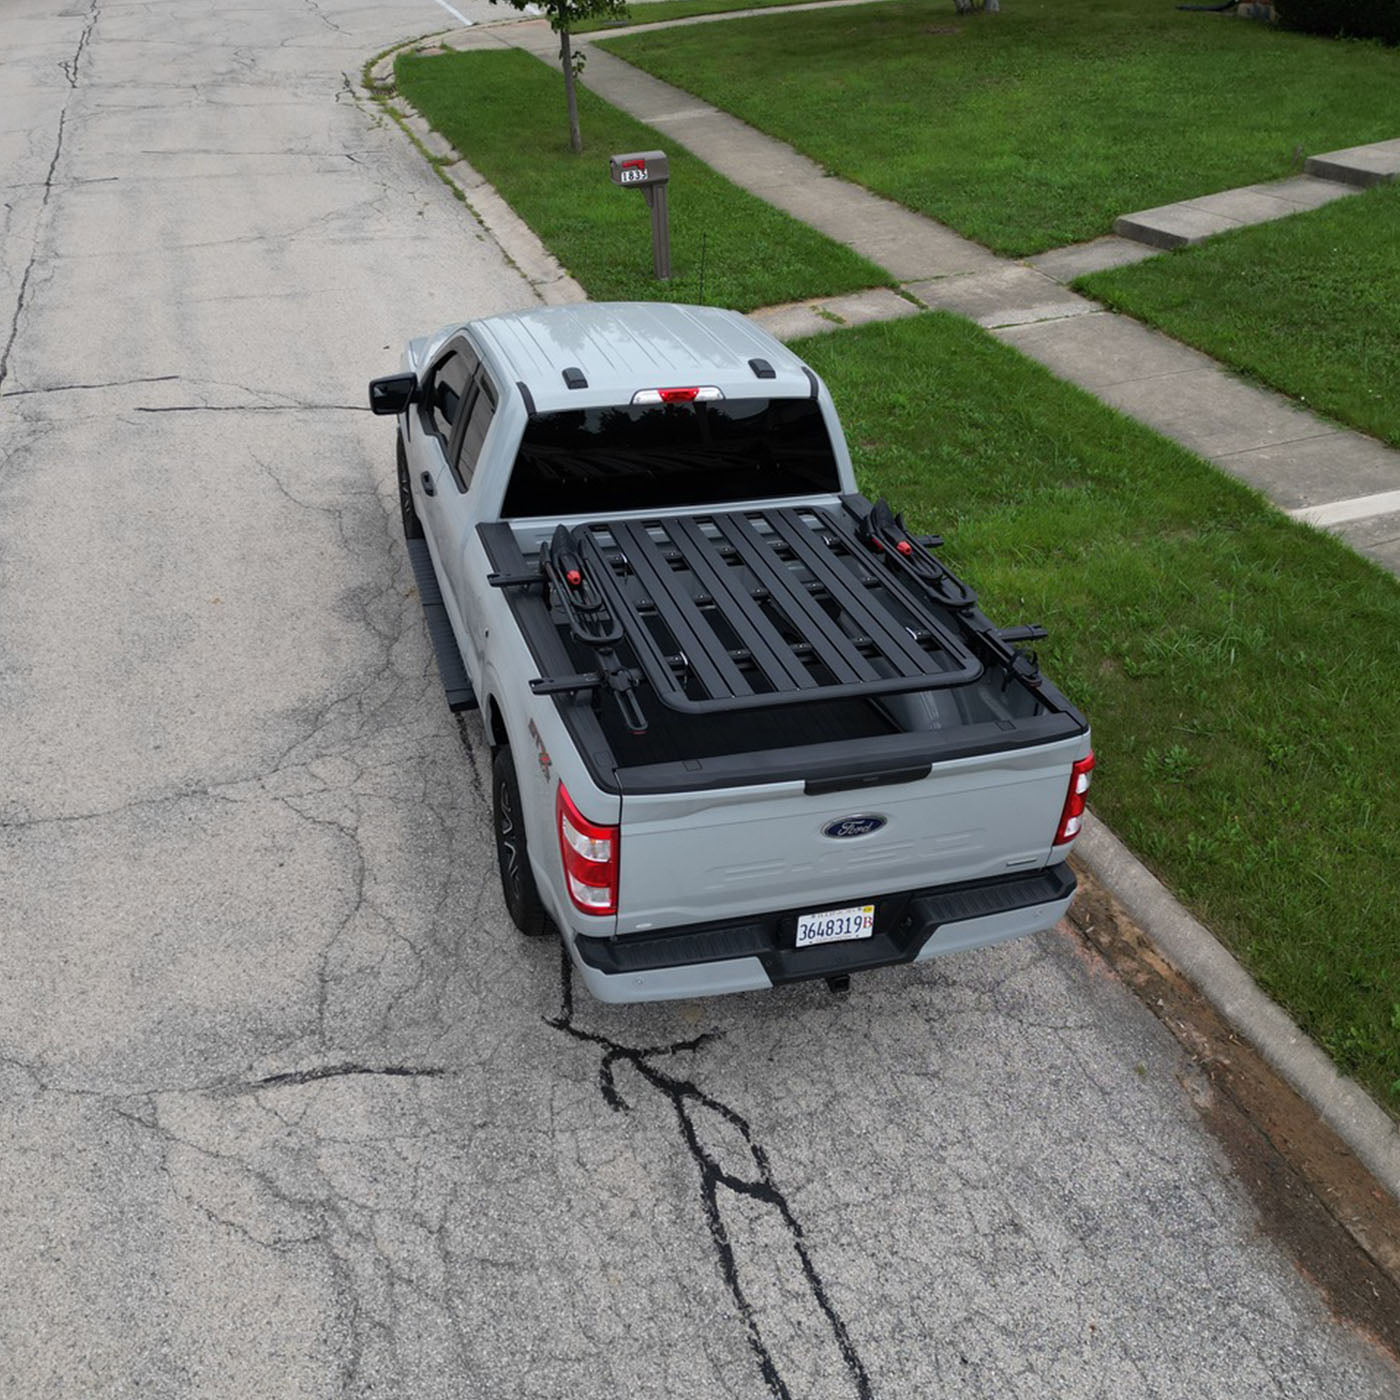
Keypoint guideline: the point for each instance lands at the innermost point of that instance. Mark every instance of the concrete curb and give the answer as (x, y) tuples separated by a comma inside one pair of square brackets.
[(545, 274), (1343, 1105), (517, 239)]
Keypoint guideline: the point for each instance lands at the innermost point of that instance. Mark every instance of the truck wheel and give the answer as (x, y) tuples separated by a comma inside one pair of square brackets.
[(512, 856), (412, 526)]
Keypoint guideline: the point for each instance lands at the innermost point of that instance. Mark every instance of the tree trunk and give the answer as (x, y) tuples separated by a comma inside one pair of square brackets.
[(566, 58)]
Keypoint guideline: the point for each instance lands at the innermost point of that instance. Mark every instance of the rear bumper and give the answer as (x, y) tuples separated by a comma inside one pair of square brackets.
[(707, 959)]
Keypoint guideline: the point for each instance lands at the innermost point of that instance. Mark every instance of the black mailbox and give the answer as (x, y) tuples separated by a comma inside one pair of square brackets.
[(649, 172)]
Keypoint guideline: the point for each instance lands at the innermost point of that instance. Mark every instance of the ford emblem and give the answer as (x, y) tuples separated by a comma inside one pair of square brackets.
[(852, 826)]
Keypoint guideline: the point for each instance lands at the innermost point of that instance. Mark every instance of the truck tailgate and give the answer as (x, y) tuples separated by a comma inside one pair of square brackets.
[(692, 858)]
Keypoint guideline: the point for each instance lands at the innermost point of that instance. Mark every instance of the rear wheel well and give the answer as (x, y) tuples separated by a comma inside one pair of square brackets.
[(495, 726)]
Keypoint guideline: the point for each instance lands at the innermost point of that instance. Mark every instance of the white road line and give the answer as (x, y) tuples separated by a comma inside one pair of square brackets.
[(1342, 512), (457, 15)]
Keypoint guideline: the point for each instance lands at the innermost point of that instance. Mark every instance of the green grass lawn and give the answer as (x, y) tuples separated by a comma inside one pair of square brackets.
[(505, 112), (1309, 305), (657, 11), (1240, 670), (1038, 126)]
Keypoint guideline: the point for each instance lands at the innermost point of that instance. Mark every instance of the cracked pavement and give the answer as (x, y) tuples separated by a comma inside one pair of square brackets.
[(286, 1107)]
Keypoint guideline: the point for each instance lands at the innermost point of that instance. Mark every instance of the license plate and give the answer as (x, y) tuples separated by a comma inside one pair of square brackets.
[(835, 925)]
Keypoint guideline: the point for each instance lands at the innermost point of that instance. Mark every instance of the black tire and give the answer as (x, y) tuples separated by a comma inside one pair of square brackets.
[(512, 855), (412, 526)]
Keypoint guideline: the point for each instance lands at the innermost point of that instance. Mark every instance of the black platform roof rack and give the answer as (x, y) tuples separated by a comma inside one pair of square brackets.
[(737, 609)]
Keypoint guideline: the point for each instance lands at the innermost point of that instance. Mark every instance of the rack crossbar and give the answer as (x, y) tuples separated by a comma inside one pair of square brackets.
[(832, 648), (781, 666), (896, 646), (903, 582), (707, 654)]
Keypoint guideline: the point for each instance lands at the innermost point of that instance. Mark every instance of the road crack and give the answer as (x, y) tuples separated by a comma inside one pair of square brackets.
[(70, 68), (685, 1097), (310, 1076), (106, 384)]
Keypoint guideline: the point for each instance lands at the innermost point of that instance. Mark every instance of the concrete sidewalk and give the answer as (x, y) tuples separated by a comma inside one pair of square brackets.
[(1194, 220), (1298, 460), (1327, 177)]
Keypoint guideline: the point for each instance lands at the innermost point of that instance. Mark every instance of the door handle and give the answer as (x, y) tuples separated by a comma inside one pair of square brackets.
[(428, 488)]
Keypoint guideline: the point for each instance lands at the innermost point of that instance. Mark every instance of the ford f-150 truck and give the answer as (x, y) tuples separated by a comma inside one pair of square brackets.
[(746, 728)]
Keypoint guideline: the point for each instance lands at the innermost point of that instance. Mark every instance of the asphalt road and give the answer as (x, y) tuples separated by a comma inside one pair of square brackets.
[(286, 1107)]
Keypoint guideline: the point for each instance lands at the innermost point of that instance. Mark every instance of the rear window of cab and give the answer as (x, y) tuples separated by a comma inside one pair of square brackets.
[(670, 455)]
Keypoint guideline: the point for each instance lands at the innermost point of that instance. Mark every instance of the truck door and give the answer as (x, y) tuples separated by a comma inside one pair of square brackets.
[(460, 516), (458, 408), (442, 409)]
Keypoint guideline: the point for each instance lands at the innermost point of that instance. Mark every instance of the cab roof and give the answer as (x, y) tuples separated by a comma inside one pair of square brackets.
[(621, 347)]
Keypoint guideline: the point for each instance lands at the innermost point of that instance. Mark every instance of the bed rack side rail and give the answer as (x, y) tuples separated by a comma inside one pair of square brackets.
[(886, 535), (562, 574)]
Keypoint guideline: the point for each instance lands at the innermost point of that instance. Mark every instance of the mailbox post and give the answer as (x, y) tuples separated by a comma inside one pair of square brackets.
[(649, 172)]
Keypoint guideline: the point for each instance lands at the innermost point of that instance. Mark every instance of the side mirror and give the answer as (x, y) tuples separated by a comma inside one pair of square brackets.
[(393, 393)]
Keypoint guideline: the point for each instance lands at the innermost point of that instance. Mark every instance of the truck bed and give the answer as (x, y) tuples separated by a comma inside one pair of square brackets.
[(716, 648)]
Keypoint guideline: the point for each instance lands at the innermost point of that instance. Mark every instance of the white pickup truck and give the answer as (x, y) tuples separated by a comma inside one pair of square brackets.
[(746, 729)]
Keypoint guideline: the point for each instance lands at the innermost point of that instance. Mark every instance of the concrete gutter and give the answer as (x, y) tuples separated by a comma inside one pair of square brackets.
[(1191, 947)]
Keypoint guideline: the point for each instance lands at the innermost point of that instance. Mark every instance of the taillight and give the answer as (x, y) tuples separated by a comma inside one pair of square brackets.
[(590, 856), (1072, 818)]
